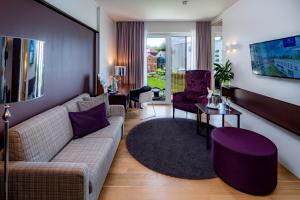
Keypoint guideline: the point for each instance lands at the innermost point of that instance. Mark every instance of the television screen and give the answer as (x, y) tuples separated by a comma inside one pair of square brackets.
[(279, 58)]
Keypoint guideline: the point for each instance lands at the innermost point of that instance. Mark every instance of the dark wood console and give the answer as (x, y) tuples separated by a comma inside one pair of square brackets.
[(122, 97), (279, 112)]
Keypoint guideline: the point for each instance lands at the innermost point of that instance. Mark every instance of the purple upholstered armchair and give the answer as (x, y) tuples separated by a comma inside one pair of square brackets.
[(196, 84)]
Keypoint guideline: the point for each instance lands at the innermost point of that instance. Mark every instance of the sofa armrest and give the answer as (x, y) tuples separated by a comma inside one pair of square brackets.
[(117, 110), (178, 96), (47, 180)]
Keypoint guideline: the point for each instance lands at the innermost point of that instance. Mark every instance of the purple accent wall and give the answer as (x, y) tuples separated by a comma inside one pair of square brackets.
[(69, 54)]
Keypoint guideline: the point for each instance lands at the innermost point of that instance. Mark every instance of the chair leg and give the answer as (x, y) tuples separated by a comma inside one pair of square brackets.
[(153, 109), (151, 115), (130, 104)]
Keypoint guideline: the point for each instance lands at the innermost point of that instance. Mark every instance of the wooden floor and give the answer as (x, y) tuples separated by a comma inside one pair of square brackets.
[(129, 180)]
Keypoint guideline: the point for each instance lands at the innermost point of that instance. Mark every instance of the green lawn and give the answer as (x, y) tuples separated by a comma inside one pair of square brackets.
[(156, 82), (177, 82)]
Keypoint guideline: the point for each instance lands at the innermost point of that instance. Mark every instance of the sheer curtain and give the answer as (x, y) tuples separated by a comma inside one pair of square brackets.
[(130, 51), (203, 45)]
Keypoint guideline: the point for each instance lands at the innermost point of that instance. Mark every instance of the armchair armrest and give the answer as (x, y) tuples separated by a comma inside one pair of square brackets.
[(46, 180), (178, 96), (202, 99), (117, 110)]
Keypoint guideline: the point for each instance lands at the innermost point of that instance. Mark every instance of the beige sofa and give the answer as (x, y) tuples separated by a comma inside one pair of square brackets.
[(47, 164)]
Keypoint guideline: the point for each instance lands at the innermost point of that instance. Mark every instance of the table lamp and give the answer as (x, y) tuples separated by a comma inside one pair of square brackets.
[(21, 79), (120, 71)]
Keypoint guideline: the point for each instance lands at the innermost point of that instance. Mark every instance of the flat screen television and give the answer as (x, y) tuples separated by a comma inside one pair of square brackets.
[(277, 58)]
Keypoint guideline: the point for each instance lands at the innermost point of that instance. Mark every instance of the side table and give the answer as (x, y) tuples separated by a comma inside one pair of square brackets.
[(122, 97), (201, 108)]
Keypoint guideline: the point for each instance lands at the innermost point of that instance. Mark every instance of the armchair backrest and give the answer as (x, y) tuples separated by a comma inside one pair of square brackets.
[(145, 97), (196, 83)]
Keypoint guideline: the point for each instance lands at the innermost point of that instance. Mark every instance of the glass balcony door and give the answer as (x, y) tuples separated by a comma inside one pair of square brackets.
[(156, 55), (168, 56), (218, 54), (181, 60)]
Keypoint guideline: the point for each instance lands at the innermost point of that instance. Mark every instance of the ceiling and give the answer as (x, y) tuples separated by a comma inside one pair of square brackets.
[(164, 10)]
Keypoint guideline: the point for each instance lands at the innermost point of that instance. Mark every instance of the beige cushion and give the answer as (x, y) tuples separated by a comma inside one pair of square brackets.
[(41, 137), (72, 105), (90, 102)]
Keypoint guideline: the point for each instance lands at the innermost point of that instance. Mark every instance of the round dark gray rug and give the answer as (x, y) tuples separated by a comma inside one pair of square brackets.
[(171, 147)]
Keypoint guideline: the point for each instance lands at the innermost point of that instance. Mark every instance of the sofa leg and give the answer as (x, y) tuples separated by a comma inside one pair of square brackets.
[(123, 129), (173, 112)]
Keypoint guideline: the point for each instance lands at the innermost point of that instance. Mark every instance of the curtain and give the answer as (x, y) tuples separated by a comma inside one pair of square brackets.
[(130, 51), (203, 45)]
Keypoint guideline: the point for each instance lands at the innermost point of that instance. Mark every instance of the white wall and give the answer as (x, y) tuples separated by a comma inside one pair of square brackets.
[(251, 21), (107, 46), (83, 10)]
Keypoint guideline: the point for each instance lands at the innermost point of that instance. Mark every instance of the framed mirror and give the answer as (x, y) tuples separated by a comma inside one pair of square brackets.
[(21, 69)]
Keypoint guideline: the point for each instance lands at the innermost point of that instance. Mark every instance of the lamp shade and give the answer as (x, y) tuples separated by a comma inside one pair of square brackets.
[(21, 69), (120, 70)]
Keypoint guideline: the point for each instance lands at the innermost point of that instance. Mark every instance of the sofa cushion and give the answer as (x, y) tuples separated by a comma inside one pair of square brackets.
[(72, 105), (95, 152), (88, 121), (41, 137), (113, 131), (116, 123), (89, 102), (86, 105)]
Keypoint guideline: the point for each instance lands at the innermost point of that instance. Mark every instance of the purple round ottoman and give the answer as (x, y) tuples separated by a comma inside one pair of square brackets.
[(245, 160)]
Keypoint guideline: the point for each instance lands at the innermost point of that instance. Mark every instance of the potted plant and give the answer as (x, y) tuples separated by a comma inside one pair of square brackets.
[(223, 73)]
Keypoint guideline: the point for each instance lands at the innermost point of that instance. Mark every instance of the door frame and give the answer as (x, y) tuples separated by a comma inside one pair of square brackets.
[(168, 37)]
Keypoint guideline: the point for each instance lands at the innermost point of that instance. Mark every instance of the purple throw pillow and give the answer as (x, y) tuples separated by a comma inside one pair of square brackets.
[(88, 121)]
